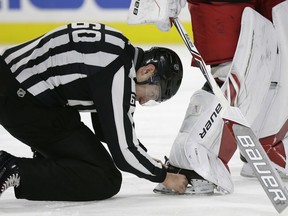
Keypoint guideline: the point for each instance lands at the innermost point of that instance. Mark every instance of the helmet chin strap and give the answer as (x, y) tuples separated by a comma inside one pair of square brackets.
[(151, 80), (142, 82)]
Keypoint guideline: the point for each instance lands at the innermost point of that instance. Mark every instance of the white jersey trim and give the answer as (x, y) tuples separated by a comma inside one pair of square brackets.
[(117, 100)]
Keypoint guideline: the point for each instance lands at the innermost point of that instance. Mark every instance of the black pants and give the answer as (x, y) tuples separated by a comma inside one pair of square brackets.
[(75, 167)]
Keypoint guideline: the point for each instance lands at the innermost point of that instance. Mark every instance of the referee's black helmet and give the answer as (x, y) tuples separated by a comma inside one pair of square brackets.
[(169, 70)]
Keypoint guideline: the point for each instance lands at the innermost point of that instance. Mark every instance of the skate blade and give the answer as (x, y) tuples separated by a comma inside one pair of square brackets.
[(161, 189)]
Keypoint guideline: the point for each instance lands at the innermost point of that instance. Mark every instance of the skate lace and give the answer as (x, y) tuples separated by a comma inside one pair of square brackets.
[(12, 181)]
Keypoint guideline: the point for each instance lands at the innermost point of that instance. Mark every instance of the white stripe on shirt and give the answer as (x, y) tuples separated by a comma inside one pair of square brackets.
[(53, 82), (100, 59), (30, 46), (54, 42), (117, 100)]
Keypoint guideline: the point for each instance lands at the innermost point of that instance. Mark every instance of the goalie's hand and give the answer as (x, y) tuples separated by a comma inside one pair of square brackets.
[(174, 9), (176, 182), (156, 12)]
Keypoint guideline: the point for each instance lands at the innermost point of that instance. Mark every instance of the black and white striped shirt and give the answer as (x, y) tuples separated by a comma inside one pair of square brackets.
[(89, 67)]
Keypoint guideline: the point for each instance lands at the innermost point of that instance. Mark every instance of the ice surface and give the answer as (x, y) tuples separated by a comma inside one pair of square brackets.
[(157, 128)]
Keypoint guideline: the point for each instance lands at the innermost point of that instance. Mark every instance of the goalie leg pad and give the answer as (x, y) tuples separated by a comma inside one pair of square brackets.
[(198, 143), (271, 124), (276, 113), (274, 129), (255, 57)]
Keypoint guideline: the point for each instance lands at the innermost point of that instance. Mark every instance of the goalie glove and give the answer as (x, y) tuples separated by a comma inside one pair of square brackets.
[(155, 12)]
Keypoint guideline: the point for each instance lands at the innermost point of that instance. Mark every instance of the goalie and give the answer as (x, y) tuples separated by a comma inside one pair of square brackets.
[(245, 43)]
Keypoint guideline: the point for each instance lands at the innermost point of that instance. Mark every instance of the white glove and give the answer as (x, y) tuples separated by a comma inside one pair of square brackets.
[(175, 7), (154, 12)]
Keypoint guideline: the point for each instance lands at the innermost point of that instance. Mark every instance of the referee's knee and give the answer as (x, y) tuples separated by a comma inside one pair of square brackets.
[(116, 183), (105, 188)]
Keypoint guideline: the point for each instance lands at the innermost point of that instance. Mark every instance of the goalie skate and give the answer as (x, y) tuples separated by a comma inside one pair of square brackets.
[(195, 187), (197, 184)]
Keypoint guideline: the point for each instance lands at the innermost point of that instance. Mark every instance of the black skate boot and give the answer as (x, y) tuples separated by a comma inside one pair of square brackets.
[(9, 173), (196, 184)]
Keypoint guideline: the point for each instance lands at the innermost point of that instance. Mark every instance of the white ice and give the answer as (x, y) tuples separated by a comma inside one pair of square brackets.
[(157, 128)]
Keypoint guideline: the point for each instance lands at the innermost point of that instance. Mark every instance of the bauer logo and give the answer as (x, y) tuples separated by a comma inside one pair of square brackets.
[(210, 121), (260, 167), (64, 4)]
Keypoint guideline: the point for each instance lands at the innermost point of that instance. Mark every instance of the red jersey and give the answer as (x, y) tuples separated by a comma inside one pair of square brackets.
[(216, 25)]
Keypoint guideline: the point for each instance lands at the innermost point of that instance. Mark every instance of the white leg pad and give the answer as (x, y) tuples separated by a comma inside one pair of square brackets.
[(197, 144), (253, 65), (275, 112)]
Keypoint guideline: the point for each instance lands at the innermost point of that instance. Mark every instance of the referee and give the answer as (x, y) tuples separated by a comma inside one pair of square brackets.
[(81, 67)]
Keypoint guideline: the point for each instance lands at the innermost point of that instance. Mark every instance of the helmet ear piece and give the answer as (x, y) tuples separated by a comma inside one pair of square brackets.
[(168, 67)]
